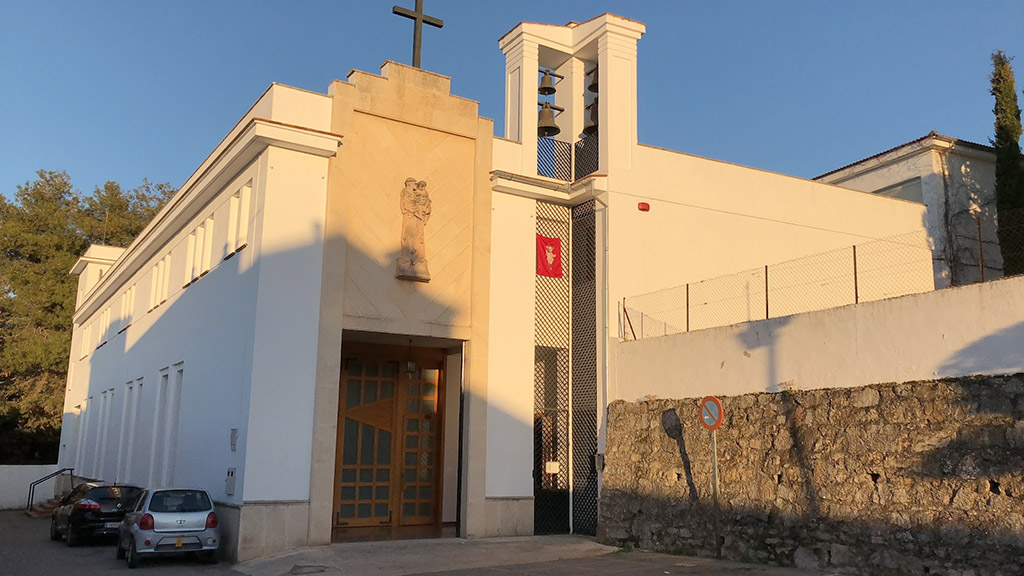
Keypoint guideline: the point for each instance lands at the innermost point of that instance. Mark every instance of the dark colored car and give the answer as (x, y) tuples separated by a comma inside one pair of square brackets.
[(91, 509)]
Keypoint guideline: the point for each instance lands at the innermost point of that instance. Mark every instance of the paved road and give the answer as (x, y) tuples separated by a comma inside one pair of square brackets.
[(26, 550)]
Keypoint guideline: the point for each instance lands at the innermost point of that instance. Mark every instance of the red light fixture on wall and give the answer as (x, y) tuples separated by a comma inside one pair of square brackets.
[(643, 207)]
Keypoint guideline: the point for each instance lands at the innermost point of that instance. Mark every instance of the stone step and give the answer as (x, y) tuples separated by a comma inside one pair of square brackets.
[(44, 509)]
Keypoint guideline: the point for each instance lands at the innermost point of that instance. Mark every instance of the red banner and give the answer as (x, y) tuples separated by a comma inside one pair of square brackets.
[(549, 256)]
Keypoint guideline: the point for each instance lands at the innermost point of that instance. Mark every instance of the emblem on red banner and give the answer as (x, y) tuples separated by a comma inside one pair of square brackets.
[(549, 256)]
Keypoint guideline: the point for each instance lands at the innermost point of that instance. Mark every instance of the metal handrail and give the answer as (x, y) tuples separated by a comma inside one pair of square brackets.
[(32, 486)]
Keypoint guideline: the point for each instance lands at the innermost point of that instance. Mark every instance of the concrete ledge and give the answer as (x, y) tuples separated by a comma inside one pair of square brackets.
[(258, 529), (508, 516), (399, 557)]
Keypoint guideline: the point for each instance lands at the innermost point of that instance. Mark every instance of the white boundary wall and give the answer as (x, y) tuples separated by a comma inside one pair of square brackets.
[(976, 329), (14, 481)]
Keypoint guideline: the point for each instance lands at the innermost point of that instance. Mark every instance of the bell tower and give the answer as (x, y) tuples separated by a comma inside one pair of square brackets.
[(592, 68)]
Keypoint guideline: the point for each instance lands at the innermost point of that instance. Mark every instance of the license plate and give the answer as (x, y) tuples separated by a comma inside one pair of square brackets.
[(178, 543), (111, 524)]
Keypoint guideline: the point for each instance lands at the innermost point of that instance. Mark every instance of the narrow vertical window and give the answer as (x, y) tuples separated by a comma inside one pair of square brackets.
[(197, 258), (207, 244), (231, 242), (156, 456), (242, 227), (104, 332), (190, 259), (122, 439), (127, 308), (87, 409), (165, 279), (171, 433), (124, 309), (162, 267), (86, 341), (154, 288), (80, 428), (133, 427), (101, 434)]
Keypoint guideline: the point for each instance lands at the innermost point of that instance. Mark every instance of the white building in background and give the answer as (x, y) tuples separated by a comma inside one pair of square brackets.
[(261, 340), (955, 180)]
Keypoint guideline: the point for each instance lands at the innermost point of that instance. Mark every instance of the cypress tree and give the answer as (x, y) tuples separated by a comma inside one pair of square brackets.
[(1009, 166)]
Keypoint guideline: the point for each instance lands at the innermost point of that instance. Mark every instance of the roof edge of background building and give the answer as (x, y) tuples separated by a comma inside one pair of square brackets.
[(933, 134)]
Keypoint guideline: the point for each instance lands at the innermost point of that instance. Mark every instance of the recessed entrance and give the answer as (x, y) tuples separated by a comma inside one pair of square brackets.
[(390, 447)]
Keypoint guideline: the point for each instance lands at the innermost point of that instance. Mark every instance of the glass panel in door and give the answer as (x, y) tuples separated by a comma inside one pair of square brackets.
[(363, 494), (420, 439)]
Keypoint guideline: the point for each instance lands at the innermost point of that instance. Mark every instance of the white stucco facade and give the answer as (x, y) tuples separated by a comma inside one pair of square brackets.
[(172, 380), (212, 351)]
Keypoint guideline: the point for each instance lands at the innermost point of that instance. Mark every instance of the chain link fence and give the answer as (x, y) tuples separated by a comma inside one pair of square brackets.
[(885, 268)]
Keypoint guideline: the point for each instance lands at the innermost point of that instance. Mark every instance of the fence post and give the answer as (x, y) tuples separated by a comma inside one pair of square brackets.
[(765, 291), (687, 306), (856, 286), (625, 313), (981, 249)]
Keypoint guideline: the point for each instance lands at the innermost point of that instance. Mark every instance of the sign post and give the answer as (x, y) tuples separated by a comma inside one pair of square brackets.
[(711, 416)]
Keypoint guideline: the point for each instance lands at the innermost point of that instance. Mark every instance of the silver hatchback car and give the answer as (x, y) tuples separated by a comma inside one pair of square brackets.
[(168, 521)]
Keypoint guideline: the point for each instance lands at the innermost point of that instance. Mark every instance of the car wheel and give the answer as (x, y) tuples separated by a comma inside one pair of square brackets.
[(73, 539), (54, 534), (132, 555), (119, 551), (208, 557)]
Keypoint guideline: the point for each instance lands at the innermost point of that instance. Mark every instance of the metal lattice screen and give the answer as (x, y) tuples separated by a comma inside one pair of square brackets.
[(554, 158), (567, 160), (586, 153), (551, 384), (583, 385), (565, 371)]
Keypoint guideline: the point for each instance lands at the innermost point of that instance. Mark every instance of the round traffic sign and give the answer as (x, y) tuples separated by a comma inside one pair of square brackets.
[(711, 413)]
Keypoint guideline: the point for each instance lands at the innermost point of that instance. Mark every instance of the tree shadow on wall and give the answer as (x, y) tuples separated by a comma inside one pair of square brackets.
[(673, 426)]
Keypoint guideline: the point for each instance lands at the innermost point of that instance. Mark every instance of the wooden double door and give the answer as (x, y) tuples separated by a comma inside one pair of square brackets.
[(388, 465)]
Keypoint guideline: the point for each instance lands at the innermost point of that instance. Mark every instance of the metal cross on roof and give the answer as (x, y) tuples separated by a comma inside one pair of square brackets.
[(419, 18)]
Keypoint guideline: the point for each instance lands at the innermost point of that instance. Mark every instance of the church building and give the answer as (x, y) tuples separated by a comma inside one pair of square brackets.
[(366, 316)]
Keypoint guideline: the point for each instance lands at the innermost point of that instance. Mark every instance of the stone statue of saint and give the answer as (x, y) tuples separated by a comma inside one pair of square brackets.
[(415, 206)]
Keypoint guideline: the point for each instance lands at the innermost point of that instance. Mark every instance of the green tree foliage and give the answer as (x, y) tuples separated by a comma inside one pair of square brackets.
[(43, 231), (1009, 166)]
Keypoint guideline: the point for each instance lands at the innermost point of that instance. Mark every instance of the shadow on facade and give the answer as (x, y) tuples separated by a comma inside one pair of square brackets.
[(766, 535), (218, 327)]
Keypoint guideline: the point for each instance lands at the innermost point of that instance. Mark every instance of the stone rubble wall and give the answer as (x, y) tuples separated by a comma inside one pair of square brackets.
[(912, 478)]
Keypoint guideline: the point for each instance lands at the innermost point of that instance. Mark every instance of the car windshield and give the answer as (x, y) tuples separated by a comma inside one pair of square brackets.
[(113, 493), (180, 501)]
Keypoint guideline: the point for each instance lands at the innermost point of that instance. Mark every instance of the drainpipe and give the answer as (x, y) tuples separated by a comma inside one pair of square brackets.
[(604, 325)]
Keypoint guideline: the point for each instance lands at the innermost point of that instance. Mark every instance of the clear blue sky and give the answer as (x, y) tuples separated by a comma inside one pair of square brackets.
[(126, 89)]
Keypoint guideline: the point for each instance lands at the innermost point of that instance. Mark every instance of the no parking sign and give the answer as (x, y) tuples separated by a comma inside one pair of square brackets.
[(711, 416), (711, 413)]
